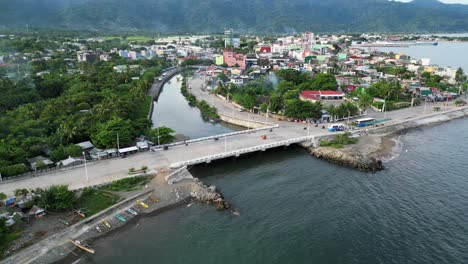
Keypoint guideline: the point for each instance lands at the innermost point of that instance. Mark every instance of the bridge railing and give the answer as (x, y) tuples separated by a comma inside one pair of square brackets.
[(240, 152), (215, 137)]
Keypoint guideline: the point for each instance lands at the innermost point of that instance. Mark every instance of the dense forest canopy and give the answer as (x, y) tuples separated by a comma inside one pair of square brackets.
[(260, 16), (46, 115)]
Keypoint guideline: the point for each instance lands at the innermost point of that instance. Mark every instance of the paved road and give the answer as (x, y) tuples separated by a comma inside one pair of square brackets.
[(109, 170)]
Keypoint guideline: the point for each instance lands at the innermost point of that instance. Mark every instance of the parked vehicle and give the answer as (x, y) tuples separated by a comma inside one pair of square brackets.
[(336, 127), (365, 122)]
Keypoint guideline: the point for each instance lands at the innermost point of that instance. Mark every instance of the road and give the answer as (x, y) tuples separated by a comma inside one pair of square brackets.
[(108, 170)]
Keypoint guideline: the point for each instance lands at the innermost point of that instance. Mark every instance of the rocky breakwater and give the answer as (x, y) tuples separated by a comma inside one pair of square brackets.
[(365, 155), (342, 157), (210, 195)]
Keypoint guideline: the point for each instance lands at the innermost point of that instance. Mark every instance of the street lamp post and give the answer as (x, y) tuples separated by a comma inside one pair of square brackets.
[(225, 144)]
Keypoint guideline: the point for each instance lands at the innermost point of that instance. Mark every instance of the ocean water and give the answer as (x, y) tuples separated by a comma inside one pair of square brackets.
[(453, 54), (296, 209)]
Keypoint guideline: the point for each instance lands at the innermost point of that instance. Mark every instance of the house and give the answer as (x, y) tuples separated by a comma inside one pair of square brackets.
[(70, 162), (34, 162), (142, 145), (317, 95), (128, 150), (37, 212), (97, 154), (86, 146)]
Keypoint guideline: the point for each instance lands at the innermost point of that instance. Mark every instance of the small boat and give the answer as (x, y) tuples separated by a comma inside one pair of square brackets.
[(142, 204), (155, 200), (106, 223), (121, 218), (133, 212), (78, 244), (80, 213)]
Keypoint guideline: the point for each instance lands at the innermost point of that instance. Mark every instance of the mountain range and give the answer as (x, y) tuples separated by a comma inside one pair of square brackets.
[(247, 16)]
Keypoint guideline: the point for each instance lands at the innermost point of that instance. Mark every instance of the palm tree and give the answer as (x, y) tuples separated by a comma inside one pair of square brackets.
[(365, 101)]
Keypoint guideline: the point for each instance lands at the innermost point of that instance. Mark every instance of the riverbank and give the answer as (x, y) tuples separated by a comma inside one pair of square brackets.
[(157, 196)]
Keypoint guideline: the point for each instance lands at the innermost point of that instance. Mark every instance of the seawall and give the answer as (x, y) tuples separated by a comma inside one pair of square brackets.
[(366, 154), (242, 122), (156, 88), (159, 195)]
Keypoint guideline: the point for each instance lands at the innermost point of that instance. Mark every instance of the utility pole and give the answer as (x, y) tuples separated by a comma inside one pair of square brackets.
[(86, 167), (158, 138), (425, 105), (118, 144)]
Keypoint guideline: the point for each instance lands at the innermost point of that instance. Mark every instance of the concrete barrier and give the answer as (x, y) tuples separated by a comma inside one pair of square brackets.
[(243, 122)]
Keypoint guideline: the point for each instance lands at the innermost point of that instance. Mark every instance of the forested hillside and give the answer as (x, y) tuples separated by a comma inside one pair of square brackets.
[(201, 16)]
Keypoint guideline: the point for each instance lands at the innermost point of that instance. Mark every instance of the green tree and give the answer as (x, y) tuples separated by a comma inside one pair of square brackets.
[(166, 135), (324, 81), (106, 135), (460, 76), (57, 198), (276, 103), (63, 152), (365, 100)]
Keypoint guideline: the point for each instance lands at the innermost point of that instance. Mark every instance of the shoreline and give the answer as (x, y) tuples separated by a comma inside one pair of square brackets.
[(159, 195), (385, 142)]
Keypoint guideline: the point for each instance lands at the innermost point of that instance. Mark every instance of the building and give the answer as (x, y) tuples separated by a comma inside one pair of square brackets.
[(228, 37), (219, 60), (85, 56), (233, 59), (39, 161), (317, 95)]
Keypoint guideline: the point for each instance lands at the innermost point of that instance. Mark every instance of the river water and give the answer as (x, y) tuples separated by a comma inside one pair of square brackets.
[(296, 209), (172, 110), (453, 54)]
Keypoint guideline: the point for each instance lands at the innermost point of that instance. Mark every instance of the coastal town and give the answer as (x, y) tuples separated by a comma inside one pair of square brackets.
[(77, 117)]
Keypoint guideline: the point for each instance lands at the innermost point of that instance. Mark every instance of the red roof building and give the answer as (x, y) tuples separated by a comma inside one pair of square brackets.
[(318, 95), (265, 49)]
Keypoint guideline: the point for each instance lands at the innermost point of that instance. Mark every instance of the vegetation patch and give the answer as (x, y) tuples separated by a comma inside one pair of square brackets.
[(207, 112), (93, 201), (7, 236), (128, 184), (339, 141)]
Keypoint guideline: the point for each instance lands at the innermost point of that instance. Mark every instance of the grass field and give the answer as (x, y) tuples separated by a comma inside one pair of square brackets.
[(93, 201), (139, 38), (128, 184)]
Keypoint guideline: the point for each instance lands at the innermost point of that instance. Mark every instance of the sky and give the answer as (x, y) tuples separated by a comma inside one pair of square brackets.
[(445, 1)]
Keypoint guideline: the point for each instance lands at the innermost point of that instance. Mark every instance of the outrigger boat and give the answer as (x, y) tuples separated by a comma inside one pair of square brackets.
[(142, 203), (79, 245), (106, 223), (121, 218), (133, 212)]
